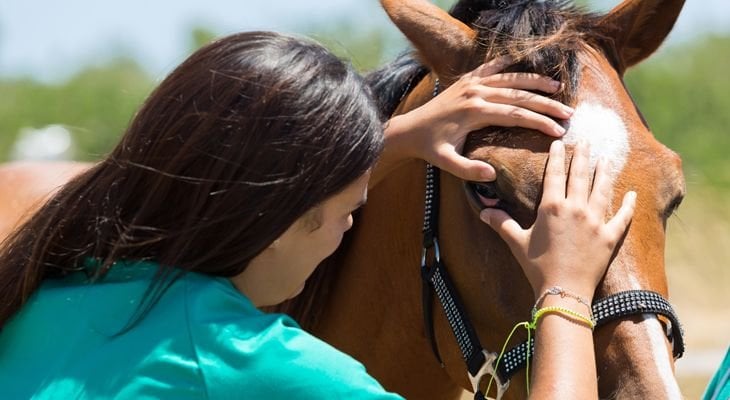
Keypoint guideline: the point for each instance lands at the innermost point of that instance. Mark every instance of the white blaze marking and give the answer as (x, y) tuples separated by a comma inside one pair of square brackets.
[(608, 136), (604, 130), (634, 284), (653, 342), (655, 336)]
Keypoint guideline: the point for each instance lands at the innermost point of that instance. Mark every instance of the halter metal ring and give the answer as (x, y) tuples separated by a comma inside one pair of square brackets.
[(436, 253), (487, 369)]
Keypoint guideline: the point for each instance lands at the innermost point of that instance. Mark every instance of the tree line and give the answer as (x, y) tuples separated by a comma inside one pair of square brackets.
[(683, 92)]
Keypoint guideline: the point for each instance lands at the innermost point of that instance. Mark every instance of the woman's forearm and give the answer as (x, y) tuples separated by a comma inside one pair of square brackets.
[(564, 365)]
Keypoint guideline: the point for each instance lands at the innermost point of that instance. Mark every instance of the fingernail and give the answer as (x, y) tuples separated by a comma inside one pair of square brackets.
[(488, 173), (568, 110), (559, 130), (555, 84), (484, 215)]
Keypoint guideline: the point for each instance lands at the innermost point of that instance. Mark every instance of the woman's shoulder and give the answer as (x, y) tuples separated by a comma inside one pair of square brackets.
[(242, 349), (215, 307)]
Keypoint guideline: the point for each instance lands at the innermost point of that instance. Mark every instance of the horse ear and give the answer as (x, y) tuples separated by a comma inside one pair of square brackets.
[(638, 27), (443, 42)]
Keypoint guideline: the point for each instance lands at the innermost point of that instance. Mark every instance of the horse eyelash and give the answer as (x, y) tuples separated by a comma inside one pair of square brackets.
[(672, 208)]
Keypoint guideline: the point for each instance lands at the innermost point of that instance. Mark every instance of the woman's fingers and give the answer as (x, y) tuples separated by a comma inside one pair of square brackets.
[(579, 178), (554, 182), (492, 67), (528, 100), (600, 197), (522, 80), (601, 192), (618, 224), (505, 226), (448, 159), (509, 115)]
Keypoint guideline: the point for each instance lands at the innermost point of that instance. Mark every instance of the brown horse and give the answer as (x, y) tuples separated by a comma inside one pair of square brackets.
[(370, 303), (25, 185), (372, 309)]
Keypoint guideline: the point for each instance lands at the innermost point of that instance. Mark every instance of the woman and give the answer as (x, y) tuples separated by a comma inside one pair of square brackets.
[(141, 278)]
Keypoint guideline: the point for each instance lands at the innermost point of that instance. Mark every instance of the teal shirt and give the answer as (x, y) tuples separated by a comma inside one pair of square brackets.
[(202, 340), (719, 387)]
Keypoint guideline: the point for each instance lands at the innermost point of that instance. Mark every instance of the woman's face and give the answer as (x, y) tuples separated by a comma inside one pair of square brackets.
[(280, 271)]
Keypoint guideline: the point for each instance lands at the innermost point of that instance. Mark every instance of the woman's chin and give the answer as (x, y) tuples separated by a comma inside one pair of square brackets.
[(298, 291)]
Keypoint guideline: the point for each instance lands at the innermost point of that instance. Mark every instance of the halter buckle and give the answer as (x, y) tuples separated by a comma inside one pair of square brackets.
[(488, 369)]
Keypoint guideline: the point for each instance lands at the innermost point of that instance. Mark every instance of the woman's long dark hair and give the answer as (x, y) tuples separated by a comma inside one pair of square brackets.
[(243, 138)]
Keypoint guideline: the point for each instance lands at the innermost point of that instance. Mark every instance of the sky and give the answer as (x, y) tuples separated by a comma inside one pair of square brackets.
[(49, 40)]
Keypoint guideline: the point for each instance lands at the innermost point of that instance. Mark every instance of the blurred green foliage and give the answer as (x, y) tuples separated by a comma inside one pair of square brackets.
[(684, 93), (95, 105), (201, 36), (365, 49)]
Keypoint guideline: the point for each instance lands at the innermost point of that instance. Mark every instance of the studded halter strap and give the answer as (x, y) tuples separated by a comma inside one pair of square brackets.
[(480, 362)]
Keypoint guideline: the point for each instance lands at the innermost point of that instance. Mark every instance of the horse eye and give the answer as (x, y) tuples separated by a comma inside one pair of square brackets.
[(673, 206), (487, 190)]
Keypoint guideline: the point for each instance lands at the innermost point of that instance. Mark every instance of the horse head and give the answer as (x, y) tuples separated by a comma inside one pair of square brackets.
[(589, 53)]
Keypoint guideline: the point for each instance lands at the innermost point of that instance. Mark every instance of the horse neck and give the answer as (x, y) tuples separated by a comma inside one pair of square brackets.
[(27, 185), (374, 310)]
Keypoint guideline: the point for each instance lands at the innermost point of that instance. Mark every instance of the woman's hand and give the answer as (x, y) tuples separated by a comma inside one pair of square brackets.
[(436, 131), (570, 244)]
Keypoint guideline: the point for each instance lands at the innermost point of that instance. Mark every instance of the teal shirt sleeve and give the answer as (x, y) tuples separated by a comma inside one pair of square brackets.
[(719, 387), (244, 353)]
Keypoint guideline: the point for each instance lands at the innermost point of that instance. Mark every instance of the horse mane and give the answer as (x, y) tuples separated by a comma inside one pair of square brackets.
[(543, 37), (390, 83)]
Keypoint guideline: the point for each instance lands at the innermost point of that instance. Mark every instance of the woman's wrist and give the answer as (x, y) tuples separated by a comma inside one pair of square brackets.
[(567, 303), (397, 149), (558, 296), (398, 130), (569, 289)]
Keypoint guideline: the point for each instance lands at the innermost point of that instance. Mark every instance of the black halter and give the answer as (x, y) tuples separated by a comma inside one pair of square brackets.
[(480, 362)]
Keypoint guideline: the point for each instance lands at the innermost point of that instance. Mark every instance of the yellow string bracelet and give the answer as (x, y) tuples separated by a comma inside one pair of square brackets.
[(531, 326), (536, 314)]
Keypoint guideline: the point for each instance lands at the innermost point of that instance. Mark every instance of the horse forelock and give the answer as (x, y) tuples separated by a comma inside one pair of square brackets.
[(539, 36), (543, 37)]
